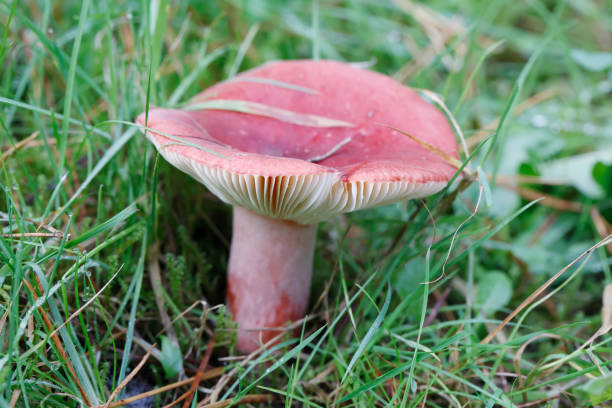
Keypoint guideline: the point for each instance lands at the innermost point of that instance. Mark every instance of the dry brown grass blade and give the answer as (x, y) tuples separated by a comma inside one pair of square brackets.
[(606, 326), (545, 199), (197, 378), (179, 399), (526, 179), (541, 289), (58, 343), (128, 378), (439, 29), (437, 99), (519, 354), (331, 151), (538, 403), (33, 235), (443, 155), (58, 233), (606, 310), (247, 399), (602, 226), (215, 372), (520, 108), (319, 378), (14, 398), (19, 145)]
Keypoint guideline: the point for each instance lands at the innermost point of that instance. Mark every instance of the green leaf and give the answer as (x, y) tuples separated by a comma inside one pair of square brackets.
[(171, 358), (578, 170), (494, 291), (406, 281), (598, 390), (5, 271), (602, 174), (593, 61)]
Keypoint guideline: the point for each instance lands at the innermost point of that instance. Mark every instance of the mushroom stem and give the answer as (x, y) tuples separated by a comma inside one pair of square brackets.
[(269, 273)]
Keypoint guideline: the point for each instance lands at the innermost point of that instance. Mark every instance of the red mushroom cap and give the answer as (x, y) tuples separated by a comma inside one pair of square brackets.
[(316, 140)]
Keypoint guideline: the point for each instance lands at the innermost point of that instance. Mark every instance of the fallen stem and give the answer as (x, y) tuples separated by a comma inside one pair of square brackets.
[(128, 378), (198, 377), (215, 372), (247, 399)]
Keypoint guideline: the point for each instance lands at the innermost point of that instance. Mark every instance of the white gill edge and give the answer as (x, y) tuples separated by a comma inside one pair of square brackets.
[(306, 199)]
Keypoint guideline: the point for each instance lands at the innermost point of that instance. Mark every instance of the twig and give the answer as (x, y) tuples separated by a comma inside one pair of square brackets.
[(179, 399), (128, 378), (546, 200), (197, 378), (215, 372), (247, 399)]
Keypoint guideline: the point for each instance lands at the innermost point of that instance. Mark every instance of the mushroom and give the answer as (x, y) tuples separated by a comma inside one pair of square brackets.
[(290, 144)]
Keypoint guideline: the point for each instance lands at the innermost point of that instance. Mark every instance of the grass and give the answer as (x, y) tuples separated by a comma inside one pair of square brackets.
[(89, 212)]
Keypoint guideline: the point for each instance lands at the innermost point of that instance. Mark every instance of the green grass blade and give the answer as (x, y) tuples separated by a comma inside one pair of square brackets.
[(68, 97), (110, 154), (244, 46), (260, 109), (369, 335)]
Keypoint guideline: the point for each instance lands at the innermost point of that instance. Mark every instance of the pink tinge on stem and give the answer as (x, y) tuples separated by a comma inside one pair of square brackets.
[(269, 273)]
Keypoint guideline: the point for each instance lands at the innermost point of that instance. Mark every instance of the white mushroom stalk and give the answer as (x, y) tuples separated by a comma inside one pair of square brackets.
[(268, 276)]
